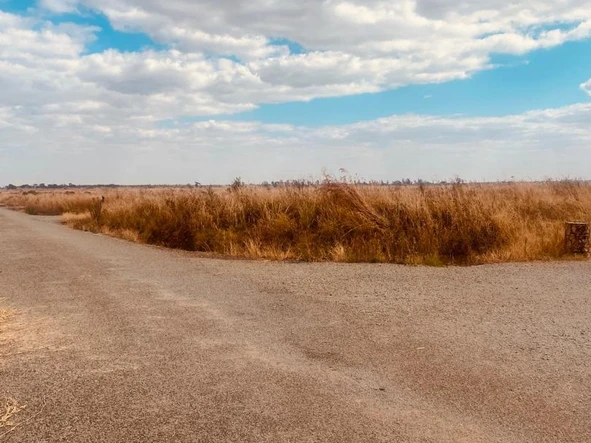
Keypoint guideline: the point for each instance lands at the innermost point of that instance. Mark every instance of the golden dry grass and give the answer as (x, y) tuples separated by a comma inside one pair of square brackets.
[(10, 408), (444, 224), (47, 203)]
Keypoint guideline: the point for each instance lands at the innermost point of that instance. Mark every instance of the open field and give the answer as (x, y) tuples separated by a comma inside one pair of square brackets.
[(441, 224)]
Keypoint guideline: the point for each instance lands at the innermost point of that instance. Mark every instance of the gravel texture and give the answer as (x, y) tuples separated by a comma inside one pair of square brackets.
[(117, 342)]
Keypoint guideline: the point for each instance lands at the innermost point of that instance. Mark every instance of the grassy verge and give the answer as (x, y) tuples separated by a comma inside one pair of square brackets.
[(47, 203), (451, 224)]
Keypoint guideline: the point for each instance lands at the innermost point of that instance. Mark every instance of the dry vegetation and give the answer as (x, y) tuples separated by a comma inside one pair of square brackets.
[(444, 224), (4, 314), (7, 412)]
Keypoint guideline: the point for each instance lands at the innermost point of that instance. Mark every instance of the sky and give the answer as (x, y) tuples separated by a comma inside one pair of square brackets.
[(153, 92)]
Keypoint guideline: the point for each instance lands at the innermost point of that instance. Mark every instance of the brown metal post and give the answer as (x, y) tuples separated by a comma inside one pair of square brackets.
[(576, 240)]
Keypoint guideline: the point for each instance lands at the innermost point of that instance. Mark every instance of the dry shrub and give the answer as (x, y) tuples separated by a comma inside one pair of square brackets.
[(78, 220), (458, 223)]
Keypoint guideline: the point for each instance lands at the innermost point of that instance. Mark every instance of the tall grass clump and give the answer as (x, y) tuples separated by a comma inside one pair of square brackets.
[(443, 224), (48, 202)]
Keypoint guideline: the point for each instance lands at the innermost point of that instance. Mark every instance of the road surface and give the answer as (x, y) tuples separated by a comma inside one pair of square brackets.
[(118, 342)]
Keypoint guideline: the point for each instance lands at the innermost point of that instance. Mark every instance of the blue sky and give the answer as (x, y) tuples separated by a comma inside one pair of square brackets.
[(106, 36), (546, 78), (368, 85)]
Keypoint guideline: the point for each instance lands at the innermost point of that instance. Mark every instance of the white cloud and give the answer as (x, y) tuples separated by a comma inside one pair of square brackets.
[(406, 43), (109, 116), (586, 86), (353, 45), (59, 6), (77, 147)]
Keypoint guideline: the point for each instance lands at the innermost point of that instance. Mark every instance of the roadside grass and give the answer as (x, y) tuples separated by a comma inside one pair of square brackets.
[(47, 203), (434, 225)]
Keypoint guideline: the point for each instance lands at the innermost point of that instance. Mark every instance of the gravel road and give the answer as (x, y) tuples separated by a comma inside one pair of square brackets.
[(117, 342)]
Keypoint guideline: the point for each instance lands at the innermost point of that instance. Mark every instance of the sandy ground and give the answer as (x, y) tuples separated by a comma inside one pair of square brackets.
[(117, 342)]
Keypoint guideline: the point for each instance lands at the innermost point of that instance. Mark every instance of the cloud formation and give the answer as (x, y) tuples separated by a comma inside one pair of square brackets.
[(534, 145), (228, 56), (60, 103)]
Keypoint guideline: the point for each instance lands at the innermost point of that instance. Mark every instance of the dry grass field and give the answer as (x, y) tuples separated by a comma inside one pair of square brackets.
[(434, 225)]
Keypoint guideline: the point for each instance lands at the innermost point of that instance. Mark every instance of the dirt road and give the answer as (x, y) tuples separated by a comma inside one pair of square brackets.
[(117, 342)]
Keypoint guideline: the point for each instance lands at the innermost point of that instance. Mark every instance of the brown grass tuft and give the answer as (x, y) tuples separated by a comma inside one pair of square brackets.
[(434, 225), (10, 409), (7, 412)]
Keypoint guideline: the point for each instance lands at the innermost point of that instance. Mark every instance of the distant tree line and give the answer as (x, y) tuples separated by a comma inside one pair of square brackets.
[(357, 182), (238, 183), (74, 186), (302, 183)]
